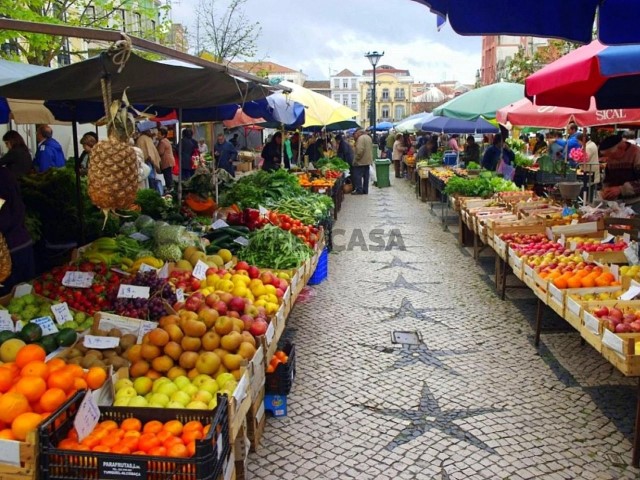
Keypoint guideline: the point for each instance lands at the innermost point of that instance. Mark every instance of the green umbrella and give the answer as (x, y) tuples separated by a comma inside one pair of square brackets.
[(481, 102)]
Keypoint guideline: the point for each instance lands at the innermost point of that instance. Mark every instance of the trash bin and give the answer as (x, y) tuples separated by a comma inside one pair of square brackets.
[(382, 172)]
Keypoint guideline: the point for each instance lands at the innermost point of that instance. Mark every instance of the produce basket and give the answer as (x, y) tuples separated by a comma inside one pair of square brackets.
[(279, 382), (206, 464), (322, 269)]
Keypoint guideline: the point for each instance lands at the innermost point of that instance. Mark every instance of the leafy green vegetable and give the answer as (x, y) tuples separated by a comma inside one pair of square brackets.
[(485, 185), (522, 160), (272, 247), (473, 166), (150, 202), (310, 209), (254, 190), (333, 163)]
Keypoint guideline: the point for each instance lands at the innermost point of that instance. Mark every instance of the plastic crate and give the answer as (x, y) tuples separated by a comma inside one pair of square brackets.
[(280, 381), (206, 464), (322, 269)]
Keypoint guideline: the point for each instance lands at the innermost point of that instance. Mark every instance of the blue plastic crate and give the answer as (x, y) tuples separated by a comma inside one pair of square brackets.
[(322, 269), (450, 159), (276, 404)]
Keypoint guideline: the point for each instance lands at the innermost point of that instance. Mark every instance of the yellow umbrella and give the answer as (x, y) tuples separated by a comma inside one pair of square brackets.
[(321, 111)]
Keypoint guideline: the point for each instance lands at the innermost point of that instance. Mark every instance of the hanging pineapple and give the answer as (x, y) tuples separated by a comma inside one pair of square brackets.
[(5, 259), (113, 168)]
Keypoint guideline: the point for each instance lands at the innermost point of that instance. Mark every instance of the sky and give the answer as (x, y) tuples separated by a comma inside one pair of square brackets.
[(319, 37)]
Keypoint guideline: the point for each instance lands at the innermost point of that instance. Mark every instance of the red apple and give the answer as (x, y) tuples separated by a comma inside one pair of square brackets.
[(211, 300), (259, 327), (212, 270), (279, 293), (221, 307), (178, 306), (225, 297), (267, 278), (254, 272), (248, 321), (237, 304), (242, 266), (233, 314)]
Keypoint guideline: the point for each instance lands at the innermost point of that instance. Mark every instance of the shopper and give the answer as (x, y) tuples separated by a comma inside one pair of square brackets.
[(453, 143), (391, 138), (203, 148), (295, 149), (363, 159), (18, 159), (12, 227), (593, 159), (622, 173), (272, 153), (167, 160), (224, 152), (151, 156), (540, 144), (188, 148), (88, 141), (344, 150), (493, 154), (49, 153), (471, 150), (398, 150), (235, 141)]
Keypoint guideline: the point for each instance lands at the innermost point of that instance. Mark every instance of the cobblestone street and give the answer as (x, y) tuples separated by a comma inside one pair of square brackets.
[(471, 399)]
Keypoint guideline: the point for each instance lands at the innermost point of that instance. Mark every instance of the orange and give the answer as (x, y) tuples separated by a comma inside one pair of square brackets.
[(76, 371), (90, 441), (147, 441), (82, 448), (73, 434), (191, 448), (206, 429), (178, 451), (7, 434), (131, 424), (193, 425), (560, 282), (587, 282), (174, 426), (130, 442), (122, 449), (80, 384), (132, 433), (169, 442), (95, 377), (68, 443), (110, 441), (159, 451), (52, 399), (6, 379), (56, 364), (139, 452), (31, 387), (35, 368), (60, 379), (574, 282), (163, 435), (101, 448), (192, 435), (153, 426), (25, 423), (107, 425), (12, 405), (30, 353)]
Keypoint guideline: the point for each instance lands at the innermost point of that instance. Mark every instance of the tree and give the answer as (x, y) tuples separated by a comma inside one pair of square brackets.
[(226, 36), (523, 64), (138, 17)]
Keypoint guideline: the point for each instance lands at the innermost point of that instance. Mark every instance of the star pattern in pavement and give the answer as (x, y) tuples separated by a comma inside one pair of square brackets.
[(430, 416), (407, 310), (401, 283), (397, 263), (386, 221)]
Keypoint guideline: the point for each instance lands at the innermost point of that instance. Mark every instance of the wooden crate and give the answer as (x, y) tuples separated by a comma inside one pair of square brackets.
[(516, 263), (592, 328), (620, 350), (561, 300), (541, 286), (239, 404), (256, 421), (523, 228), (257, 366), (24, 458), (500, 246)]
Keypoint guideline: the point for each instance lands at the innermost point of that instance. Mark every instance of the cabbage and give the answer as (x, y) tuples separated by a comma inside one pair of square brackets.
[(169, 234), (169, 252), (144, 221), (128, 228), (144, 253)]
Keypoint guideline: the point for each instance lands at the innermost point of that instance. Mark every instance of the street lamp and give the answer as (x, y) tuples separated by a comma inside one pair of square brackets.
[(374, 58)]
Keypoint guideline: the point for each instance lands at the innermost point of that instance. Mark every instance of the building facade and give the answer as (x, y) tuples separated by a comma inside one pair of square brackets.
[(272, 71), (497, 50), (323, 87), (393, 94), (345, 89)]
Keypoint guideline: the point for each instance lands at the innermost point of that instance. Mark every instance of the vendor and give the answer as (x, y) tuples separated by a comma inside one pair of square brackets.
[(622, 173), (471, 150)]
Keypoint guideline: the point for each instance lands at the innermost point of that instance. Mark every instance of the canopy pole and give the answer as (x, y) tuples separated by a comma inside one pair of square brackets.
[(282, 146), (79, 199), (180, 140), (299, 159)]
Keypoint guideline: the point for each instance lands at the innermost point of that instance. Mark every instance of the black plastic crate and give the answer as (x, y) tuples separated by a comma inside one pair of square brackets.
[(207, 463), (280, 381)]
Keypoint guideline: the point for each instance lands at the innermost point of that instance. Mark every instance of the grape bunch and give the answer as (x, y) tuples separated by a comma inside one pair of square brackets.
[(152, 308)]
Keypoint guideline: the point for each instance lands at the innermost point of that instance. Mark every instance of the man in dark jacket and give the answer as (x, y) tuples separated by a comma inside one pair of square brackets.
[(491, 157), (345, 151), (49, 153), (224, 152), (188, 148), (272, 153)]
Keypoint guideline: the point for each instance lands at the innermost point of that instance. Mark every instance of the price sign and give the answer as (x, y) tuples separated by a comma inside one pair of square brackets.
[(271, 330), (200, 270), (549, 234), (87, 417), (179, 295), (219, 224), (141, 237), (46, 324), (563, 240), (626, 238), (61, 312), (78, 279), (6, 322), (631, 253), (147, 268), (613, 341), (242, 241), (133, 291), (608, 239), (263, 211), (241, 390), (164, 271), (145, 327), (10, 451), (22, 290), (94, 341), (633, 292)]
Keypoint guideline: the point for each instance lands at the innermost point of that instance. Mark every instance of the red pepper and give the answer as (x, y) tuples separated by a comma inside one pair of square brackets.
[(235, 218), (251, 215)]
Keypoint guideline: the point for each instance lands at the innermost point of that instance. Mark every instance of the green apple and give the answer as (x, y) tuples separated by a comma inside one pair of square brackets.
[(173, 404), (138, 401), (147, 397), (197, 405), (190, 390), (213, 403), (158, 383), (211, 386), (143, 385), (155, 405), (159, 398), (123, 382), (126, 392), (122, 402), (181, 382), (202, 396), (200, 379), (223, 378), (168, 389), (181, 397)]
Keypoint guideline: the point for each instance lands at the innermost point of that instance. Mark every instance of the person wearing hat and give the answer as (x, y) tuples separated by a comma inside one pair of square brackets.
[(151, 156), (363, 159), (622, 173)]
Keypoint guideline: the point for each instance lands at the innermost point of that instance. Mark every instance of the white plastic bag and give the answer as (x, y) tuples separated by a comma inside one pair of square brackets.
[(372, 173)]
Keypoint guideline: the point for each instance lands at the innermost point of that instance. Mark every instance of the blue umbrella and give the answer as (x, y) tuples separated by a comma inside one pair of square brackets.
[(456, 125), (277, 110), (568, 19), (384, 126)]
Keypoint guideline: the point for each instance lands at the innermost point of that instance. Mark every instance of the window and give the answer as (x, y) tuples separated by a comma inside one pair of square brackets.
[(336, 83), (64, 58), (153, 33), (120, 19), (385, 94), (385, 111), (354, 84), (399, 94), (10, 47), (399, 112), (137, 23), (90, 13), (336, 98), (354, 99), (345, 101)]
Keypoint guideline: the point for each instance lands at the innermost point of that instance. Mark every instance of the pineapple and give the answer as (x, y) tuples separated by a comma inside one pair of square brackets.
[(5, 259)]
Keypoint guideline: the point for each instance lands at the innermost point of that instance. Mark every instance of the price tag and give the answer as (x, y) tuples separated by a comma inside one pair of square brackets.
[(133, 291), (78, 279), (93, 341), (61, 312), (574, 221), (563, 240), (585, 255), (613, 341), (200, 270), (147, 268), (241, 390), (141, 237), (241, 241), (179, 295), (219, 224), (6, 322), (145, 327), (615, 271), (549, 234), (46, 324), (591, 323), (87, 417), (271, 331), (263, 211), (633, 292), (18, 326), (22, 290), (608, 239), (10, 451), (164, 271), (631, 252), (626, 237)]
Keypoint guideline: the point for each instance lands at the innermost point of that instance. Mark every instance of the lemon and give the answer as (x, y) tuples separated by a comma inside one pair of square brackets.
[(240, 291), (225, 254), (258, 290), (270, 289), (260, 303), (225, 286), (240, 280)]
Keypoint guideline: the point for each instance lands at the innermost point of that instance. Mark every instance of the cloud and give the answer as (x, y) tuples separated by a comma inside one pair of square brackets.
[(319, 37)]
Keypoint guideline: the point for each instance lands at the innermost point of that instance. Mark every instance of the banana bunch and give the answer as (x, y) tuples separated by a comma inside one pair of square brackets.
[(103, 250), (151, 261)]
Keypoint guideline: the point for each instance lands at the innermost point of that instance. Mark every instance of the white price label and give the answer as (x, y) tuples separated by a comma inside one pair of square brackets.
[(179, 295), (147, 268), (608, 239), (200, 270), (18, 326), (141, 237), (241, 390), (626, 237), (574, 221), (591, 323), (61, 312), (549, 234), (228, 265), (93, 341), (585, 255), (145, 327), (219, 445), (87, 417), (6, 322), (563, 240), (46, 324), (631, 252), (613, 341), (10, 451), (633, 292), (271, 331), (219, 224), (241, 241), (22, 290), (133, 291), (78, 279), (263, 211), (164, 271)]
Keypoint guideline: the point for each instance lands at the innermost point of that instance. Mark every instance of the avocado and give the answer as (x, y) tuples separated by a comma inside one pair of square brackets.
[(49, 343), (6, 335), (31, 333), (66, 337)]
